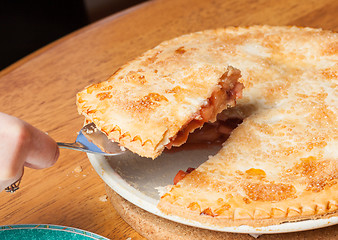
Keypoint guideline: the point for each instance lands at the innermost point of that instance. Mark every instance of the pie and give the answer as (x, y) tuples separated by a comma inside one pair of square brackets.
[(156, 100), (281, 163)]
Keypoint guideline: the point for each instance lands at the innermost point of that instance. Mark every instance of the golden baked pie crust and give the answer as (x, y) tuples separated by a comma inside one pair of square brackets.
[(281, 163), (146, 102)]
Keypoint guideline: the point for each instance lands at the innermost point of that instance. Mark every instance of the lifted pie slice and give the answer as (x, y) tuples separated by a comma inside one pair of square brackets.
[(281, 163), (156, 100)]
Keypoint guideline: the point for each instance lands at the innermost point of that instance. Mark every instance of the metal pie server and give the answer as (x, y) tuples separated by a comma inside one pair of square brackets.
[(92, 140)]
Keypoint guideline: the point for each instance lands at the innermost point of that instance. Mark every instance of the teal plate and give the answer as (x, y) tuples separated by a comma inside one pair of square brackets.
[(46, 232)]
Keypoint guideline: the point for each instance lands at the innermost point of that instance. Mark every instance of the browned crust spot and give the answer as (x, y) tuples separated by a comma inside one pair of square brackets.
[(269, 191), (317, 173)]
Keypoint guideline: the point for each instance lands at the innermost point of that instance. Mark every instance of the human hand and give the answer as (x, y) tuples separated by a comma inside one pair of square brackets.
[(23, 145)]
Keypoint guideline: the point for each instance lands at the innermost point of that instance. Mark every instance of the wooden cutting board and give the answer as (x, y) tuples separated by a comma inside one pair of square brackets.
[(155, 228)]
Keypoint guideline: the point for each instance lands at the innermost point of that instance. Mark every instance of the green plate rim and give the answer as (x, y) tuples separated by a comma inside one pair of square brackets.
[(53, 227)]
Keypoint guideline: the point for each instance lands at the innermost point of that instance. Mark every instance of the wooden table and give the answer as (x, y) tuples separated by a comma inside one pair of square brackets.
[(41, 90)]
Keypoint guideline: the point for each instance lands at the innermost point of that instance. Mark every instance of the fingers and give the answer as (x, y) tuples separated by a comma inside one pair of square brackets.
[(14, 146), (43, 150), (24, 145), (7, 182)]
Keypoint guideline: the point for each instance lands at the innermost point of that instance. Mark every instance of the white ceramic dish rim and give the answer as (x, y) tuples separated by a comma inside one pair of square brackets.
[(136, 197)]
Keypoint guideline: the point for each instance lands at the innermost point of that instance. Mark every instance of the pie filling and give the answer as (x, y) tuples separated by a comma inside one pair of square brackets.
[(223, 97), (211, 132), (181, 174)]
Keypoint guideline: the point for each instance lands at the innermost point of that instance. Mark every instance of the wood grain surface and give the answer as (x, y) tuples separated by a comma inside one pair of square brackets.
[(41, 88)]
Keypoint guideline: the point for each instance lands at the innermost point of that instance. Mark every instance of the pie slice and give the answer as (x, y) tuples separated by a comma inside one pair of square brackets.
[(281, 163), (156, 100)]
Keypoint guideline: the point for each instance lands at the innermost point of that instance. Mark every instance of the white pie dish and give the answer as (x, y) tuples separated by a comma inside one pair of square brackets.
[(138, 179)]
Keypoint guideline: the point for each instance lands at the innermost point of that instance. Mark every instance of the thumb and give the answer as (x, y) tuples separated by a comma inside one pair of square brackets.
[(43, 150), (24, 145)]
